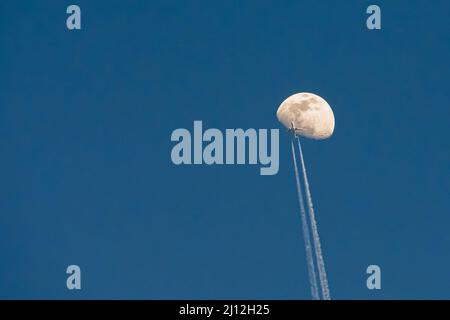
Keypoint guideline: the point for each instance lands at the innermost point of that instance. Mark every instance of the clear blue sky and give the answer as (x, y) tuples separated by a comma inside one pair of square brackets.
[(86, 176)]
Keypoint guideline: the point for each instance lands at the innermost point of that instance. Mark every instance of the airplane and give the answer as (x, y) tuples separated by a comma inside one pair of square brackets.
[(293, 128)]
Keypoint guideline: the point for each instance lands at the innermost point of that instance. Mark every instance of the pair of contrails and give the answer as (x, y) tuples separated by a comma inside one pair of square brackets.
[(311, 264)]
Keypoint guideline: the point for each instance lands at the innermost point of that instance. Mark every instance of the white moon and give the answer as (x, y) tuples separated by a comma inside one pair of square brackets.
[(311, 115)]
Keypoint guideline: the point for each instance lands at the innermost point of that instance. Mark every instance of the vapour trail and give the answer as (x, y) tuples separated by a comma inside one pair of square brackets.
[(315, 233), (306, 236)]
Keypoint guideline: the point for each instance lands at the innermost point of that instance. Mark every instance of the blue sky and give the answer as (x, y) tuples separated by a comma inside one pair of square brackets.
[(86, 174)]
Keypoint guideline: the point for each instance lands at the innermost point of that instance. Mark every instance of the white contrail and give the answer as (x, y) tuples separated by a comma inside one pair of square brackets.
[(306, 236), (315, 233)]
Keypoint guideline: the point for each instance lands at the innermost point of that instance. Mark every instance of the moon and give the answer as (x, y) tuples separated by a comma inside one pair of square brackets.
[(311, 115)]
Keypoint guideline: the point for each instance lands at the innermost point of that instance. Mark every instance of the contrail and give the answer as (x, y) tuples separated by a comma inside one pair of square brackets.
[(316, 239), (306, 236)]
